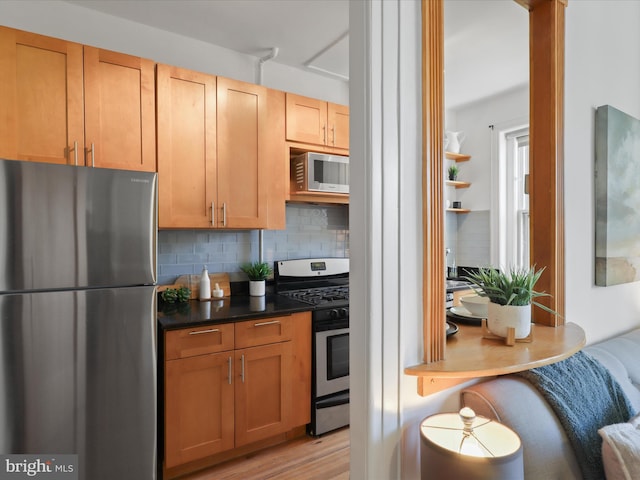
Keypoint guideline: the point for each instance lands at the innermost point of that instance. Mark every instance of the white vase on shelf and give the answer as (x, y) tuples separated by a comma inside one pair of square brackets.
[(454, 141)]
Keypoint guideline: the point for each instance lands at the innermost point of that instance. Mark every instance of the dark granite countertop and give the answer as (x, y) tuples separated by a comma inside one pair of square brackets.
[(229, 309)]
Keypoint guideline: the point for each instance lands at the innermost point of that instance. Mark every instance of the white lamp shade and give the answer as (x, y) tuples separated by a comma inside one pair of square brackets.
[(487, 451)]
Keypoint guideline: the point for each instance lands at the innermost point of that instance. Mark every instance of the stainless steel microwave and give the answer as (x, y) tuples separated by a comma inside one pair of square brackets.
[(320, 172)]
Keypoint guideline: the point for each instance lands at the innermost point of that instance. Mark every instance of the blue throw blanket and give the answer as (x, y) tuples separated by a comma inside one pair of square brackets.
[(585, 397)]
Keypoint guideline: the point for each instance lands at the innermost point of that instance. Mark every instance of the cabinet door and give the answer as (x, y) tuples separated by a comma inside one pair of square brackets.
[(41, 108), (199, 407), (241, 137), (186, 148), (263, 392), (306, 119), (119, 110), (338, 118)]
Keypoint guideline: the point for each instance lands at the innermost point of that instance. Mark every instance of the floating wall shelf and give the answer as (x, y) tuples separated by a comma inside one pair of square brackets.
[(458, 157)]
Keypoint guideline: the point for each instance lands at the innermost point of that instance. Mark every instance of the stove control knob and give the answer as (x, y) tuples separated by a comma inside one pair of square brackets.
[(344, 312), (334, 313)]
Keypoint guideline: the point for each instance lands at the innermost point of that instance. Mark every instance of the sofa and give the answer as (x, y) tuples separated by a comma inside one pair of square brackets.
[(548, 452)]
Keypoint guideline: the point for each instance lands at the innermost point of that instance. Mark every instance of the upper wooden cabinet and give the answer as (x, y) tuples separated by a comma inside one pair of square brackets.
[(213, 165), (41, 99), (242, 163), (186, 104), (119, 110), (309, 120), (61, 102)]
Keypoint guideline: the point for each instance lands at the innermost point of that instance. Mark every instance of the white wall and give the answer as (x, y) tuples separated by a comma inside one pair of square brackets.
[(71, 22), (474, 120), (602, 67)]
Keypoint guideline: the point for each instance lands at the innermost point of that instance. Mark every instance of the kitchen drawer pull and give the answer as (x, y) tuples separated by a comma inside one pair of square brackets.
[(242, 368), (200, 332), (229, 360), (273, 322), (213, 213)]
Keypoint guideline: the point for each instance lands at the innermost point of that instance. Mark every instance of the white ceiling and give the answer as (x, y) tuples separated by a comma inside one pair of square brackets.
[(486, 41), (304, 31), (486, 49)]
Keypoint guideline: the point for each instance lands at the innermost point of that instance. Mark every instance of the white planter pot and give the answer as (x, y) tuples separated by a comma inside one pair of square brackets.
[(501, 317), (256, 288)]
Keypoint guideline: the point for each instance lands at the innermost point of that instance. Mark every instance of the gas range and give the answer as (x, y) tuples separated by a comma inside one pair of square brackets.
[(322, 282)]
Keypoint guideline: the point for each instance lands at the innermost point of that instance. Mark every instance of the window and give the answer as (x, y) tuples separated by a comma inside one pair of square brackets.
[(510, 198)]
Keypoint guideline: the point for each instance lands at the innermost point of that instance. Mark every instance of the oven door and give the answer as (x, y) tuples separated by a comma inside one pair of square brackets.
[(332, 361)]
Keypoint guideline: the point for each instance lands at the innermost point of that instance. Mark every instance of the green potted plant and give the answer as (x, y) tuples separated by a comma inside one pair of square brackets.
[(453, 172), (257, 272), (511, 294)]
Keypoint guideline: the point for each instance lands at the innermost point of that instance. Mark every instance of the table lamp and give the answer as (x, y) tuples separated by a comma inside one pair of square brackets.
[(462, 445)]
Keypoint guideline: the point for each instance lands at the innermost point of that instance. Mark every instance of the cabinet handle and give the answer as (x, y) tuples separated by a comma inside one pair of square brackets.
[(242, 367), (229, 374), (213, 213), (200, 332), (224, 214), (93, 154), (273, 322), (333, 134), (75, 153), (324, 134)]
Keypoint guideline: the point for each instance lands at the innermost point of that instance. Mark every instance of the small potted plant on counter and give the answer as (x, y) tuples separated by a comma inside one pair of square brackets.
[(258, 272), (511, 295)]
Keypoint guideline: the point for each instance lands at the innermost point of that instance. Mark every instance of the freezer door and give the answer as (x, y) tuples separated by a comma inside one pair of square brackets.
[(65, 227), (78, 376)]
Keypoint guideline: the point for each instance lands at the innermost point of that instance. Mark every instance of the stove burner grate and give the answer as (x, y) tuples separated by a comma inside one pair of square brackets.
[(319, 296)]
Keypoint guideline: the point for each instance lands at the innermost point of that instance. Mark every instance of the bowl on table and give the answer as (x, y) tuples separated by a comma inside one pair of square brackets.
[(476, 305)]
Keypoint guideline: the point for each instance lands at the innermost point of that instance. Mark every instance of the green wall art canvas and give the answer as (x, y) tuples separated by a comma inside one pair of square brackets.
[(617, 197)]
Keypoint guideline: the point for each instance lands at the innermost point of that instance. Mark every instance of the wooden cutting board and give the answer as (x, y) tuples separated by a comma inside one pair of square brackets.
[(193, 282)]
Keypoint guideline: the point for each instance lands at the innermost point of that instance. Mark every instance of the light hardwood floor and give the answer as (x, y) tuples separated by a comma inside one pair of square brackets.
[(305, 458)]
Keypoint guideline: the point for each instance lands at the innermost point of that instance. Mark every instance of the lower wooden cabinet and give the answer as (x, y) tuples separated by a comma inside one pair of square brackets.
[(225, 390), (263, 392), (199, 406)]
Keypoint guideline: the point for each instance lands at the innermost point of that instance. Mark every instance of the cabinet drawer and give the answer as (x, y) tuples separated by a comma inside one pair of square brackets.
[(189, 342), (263, 331)]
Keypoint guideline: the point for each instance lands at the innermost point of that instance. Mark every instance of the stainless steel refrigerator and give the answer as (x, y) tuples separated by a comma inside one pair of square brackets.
[(78, 316)]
